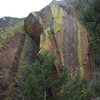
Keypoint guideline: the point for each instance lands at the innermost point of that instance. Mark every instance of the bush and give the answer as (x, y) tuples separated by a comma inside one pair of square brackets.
[(77, 89), (95, 88), (39, 82), (38, 77)]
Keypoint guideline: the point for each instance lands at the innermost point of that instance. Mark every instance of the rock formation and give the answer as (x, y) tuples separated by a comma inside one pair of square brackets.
[(61, 34), (55, 28), (16, 49)]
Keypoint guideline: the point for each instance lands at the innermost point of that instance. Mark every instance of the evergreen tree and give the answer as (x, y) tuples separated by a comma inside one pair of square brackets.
[(76, 89), (39, 83), (90, 18)]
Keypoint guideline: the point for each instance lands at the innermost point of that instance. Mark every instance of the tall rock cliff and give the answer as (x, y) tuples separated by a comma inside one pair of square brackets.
[(60, 33), (56, 29)]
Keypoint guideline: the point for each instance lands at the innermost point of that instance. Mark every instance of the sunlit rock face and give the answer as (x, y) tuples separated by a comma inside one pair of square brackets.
[(61, 35)]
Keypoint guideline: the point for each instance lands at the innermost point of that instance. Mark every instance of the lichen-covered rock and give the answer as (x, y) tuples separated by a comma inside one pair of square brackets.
[(11, 43), (56, 29), (63, 36), (16, 50)]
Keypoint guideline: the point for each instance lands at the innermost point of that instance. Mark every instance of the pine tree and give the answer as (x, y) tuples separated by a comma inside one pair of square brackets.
[(39, 83), (76, 89), (90, 18)]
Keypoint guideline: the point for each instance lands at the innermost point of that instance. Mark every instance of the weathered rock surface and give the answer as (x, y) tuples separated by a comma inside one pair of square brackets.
[(56, 29), (16, 50), (62, 35)]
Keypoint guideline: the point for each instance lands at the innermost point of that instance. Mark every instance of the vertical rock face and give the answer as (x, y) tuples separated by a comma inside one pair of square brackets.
[(16, 50), (61, 35), (11, 44)]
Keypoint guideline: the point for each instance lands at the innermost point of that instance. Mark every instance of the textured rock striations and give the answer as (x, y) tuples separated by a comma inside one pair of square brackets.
[(16, 50), (56, 29), (60, 34)]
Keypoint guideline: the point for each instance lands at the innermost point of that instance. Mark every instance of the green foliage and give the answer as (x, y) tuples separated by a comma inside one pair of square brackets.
[(77, 89), (95, 88), (39, 80), (9, 30), (89, 16)]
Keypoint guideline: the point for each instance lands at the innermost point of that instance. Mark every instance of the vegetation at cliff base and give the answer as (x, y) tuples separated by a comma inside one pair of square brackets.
[(40, 79), (76, 89), (90, 18), (41, 82)]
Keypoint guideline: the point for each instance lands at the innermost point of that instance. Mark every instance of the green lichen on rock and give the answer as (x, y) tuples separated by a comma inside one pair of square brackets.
[(80, 51), (57, 11), (58, 15), (40, 21), (19, 27), (59, 35), (10, 28), (45, 45)]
